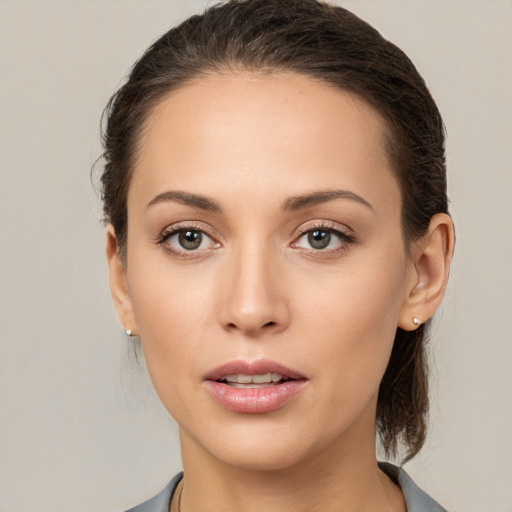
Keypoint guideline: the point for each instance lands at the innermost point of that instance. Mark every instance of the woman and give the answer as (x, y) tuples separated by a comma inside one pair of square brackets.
[(278, 237)]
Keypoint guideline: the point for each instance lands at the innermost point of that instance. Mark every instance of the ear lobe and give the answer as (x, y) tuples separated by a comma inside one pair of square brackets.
[(119, 283), (431, 258)]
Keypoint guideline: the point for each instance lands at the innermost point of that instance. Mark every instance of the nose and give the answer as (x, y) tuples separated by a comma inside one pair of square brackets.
[(253, 294)]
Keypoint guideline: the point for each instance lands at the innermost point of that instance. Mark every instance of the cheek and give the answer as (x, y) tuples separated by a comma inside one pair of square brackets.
[(173, 311), (352, 316)]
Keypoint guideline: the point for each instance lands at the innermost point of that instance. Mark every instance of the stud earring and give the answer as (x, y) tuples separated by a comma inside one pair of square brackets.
[(128, 332), (416, 321)]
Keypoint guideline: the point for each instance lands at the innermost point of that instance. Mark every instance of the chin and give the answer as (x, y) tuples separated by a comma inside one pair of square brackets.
[(264, 457), (255, 444), (266, 446)]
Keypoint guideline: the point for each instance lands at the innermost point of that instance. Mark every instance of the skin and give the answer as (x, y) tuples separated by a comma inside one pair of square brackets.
[(256, 288)]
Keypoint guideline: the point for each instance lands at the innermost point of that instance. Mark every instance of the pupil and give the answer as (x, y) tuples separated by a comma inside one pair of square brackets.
[(319, 239), (190, 239)]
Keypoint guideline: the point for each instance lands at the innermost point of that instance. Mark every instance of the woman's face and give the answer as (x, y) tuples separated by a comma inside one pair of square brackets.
[(264, 234)]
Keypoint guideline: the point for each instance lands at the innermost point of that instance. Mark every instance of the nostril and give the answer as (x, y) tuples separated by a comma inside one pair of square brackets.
[(231, 325)]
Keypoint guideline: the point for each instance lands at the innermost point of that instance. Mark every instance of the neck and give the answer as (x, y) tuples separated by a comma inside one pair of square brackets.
[(340, 477)]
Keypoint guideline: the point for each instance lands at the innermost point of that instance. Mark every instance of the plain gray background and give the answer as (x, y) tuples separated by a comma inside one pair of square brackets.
[(80, 428)]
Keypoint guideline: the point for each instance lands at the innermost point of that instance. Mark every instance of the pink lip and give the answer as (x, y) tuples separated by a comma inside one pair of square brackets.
[(254, 400)]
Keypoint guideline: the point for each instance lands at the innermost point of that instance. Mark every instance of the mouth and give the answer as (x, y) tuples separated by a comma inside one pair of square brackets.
[(242, 381), (254, 387)]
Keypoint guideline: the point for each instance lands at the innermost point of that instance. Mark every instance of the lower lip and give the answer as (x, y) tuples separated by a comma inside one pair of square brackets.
[(255, 400)]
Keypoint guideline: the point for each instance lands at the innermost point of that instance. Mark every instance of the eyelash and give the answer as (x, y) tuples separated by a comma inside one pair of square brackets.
[(174, 230), (345, 239)]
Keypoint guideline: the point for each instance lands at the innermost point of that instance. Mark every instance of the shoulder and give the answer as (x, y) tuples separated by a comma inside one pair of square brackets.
[(415, 499), (160, 502)]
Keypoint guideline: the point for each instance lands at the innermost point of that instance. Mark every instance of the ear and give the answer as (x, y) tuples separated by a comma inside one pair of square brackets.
[(119, 283), (430, 264)]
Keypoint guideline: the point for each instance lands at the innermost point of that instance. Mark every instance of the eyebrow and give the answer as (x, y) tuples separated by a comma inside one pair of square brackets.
[(291, 204), (187, 198), (323, 196)]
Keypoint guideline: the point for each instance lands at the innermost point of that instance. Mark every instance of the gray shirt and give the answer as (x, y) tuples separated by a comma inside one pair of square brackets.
[(415, 499)]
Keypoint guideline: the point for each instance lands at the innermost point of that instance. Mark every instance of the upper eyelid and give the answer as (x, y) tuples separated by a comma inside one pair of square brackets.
[(327, 225), (190, 225)]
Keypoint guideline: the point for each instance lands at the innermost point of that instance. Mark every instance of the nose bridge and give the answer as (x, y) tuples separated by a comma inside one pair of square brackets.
[(253, 296)]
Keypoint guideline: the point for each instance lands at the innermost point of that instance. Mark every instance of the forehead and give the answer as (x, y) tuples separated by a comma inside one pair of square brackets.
[(256, 132)]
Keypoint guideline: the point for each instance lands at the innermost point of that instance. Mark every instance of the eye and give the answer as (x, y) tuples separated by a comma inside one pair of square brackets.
[(189, 240), (181, 240), (323, 238)]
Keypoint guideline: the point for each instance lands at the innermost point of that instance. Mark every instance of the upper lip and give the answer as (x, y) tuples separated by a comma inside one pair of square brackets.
[(258, 367)]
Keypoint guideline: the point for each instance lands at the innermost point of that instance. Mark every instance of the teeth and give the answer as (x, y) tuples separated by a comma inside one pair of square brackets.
[(261, 379), (267, 378)]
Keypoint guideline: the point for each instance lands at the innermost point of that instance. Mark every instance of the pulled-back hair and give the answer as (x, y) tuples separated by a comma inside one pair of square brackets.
[(327, 43)]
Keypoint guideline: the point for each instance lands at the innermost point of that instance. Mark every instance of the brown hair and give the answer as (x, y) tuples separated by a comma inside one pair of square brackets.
[(330, 44)]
